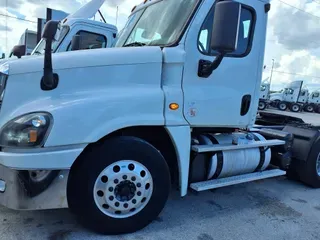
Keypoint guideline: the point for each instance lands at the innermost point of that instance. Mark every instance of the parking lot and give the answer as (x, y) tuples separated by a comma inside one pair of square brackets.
[(311, 118), (268, 209)]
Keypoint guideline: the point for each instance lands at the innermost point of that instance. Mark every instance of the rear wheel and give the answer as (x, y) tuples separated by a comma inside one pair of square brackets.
[(262, 105), (309, 171), (309, 108), (295, 107), (282, 106), (119, 186)]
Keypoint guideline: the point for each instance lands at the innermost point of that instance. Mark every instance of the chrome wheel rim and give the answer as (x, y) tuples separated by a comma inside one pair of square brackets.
[(318, 165), (38, 175), (310, 109), (123, 189), (282, 106)]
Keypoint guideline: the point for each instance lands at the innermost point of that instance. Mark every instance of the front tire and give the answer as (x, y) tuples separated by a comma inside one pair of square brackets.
[(262, 105), (119, 186)]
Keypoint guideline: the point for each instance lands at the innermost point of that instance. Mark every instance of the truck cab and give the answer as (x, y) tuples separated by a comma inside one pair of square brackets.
[(313, 104), (106, 132), (289, 97), (264, 99), (93, 35)]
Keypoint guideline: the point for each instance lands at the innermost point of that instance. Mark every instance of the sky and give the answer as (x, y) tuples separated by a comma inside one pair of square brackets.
[(292, 45)]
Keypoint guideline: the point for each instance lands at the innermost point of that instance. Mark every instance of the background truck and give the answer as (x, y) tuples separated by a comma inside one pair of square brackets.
[(313, 102), (264, 99), (86, 33), (293, 97), (107, 132)]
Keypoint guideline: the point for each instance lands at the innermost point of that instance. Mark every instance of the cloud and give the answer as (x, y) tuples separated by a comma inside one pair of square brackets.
[(5, 28), (14, 4), (296, 29)]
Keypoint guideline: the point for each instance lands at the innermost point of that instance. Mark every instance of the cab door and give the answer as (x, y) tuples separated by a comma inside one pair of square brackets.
[(229, 96)]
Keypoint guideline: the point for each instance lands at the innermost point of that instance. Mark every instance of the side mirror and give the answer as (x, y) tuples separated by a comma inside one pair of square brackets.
[(224, 38), (76, 43), (50, 33), (19, 50), (226, 25), (3, 56)]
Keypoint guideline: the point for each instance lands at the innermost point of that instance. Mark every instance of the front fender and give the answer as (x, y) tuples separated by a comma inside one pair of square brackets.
[(89, 119), (90, 103)]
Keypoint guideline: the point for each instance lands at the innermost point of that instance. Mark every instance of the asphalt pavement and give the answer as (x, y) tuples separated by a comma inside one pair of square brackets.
[(311, 118), (274, 209)]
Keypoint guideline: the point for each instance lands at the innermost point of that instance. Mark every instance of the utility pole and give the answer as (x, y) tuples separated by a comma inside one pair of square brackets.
[(117, 16), (6, 51), (271, 72)]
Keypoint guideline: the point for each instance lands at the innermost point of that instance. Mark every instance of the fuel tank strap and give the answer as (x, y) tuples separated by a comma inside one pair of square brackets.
[(219, 157)]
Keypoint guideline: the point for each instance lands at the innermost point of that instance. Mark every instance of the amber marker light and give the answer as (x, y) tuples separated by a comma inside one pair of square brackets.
[(33, 136), (174, 106)]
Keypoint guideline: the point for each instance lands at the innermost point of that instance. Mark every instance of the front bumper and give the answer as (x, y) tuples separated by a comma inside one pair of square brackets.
[(19, 192)]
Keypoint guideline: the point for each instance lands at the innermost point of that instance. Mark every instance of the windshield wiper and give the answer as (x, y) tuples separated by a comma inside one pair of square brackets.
[(38, 53), (140, 44)]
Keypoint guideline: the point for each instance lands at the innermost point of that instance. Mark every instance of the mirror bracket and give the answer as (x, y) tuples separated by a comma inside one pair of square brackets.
[(206, 67), (50, 80)]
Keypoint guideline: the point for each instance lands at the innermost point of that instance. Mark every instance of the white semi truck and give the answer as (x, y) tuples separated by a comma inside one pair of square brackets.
[(264, 99), (77, 28), (293, 96), (106, 132), (313, 103)]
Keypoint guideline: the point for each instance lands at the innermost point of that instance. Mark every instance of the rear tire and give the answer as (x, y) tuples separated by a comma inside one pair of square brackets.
[(309, 108), (295, 108), (282, 106), (119, 186), (309, 172)]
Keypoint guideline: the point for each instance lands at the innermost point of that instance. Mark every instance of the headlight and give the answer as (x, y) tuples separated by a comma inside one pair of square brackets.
[(30, 130), (4, 72), (4, 68)]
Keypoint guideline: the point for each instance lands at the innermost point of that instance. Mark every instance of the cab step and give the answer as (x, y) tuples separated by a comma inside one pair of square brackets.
[(231, 147), (223, 182)]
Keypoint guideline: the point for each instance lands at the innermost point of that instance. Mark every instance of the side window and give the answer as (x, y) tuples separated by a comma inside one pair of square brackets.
[(90, 40), (245, 33), (316, 95)]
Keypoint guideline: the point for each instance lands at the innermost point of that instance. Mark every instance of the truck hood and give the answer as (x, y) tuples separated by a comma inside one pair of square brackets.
[(276, 96), (88, 10), (89, 58)]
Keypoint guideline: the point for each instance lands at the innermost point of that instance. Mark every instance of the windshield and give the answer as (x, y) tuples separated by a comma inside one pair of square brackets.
[(159, 24), (39, 50), (123, 34)]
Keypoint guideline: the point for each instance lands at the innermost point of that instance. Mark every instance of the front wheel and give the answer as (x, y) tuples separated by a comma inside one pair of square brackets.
[(262, 105), (119, 186)]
